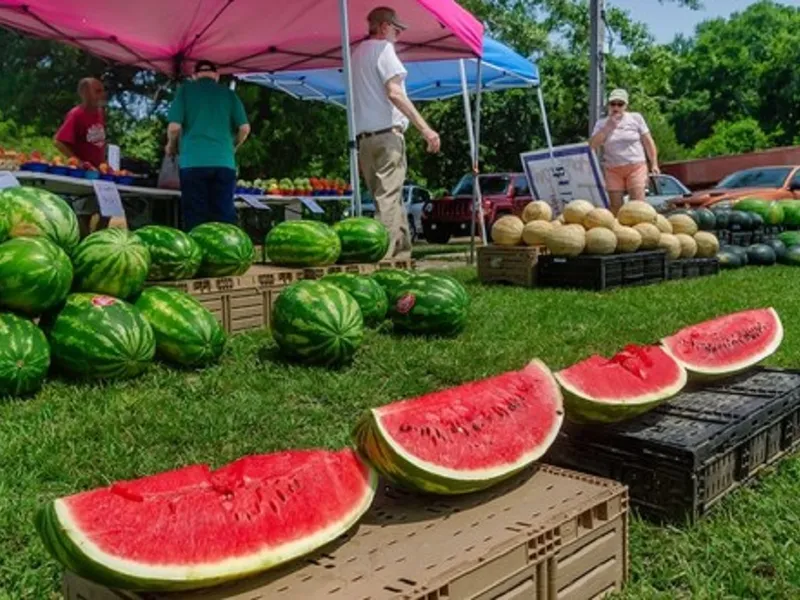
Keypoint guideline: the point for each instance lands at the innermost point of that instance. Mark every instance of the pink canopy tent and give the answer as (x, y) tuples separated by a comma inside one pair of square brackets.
[(244, 35)]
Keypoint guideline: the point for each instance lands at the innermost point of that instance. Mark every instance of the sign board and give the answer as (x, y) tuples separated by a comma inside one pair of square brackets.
[(312, 205), (252, 201), (570, 172), (108, 198), (113, 157), (7, 180)]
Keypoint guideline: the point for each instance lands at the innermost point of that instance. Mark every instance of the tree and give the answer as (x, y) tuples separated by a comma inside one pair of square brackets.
[(736, 137)]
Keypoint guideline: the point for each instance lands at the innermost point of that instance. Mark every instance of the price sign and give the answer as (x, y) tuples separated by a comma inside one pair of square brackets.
[(108, 198), (7, 180), (253, 201)]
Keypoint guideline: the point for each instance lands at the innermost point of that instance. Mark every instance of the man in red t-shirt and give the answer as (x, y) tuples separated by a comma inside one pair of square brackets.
[(83, 136)]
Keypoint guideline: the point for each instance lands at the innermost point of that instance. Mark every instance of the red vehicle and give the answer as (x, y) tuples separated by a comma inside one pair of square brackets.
[(769, 183), (451, 215)]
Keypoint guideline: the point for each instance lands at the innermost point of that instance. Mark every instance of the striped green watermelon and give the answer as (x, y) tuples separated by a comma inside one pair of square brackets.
[(4, 226), (99, 337), (173, 254), (430, 305), (364, 240), (35, 275), (111, 261), (302, 244), (33, 212), (366, 291), (317, 322), (24, 356), (390, 280), (186, 331), (227, 249)]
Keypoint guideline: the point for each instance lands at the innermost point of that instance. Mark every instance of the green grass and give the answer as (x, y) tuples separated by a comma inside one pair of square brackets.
[(426, 250), (72, 438)]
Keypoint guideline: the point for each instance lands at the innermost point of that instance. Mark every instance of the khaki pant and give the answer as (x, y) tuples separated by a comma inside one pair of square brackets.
[(382, 160)]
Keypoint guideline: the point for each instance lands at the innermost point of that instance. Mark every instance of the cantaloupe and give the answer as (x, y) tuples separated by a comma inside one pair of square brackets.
[(628, 239), (650, 235), (538, 210), (664, 226), (535, 232), (557, 223), (568, 240), (707, 244), (671, 244), (575, 212), (600, 241), (688, 245), (636, 212), (507, 231), (599, 217), (683, 224)]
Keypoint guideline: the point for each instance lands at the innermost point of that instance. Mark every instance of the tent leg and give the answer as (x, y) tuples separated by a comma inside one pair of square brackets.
[(355, 202), (543, 110), (471, 137), (477, 151)]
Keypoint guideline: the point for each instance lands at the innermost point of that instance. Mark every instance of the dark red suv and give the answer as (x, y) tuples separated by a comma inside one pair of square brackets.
[(449, 216)]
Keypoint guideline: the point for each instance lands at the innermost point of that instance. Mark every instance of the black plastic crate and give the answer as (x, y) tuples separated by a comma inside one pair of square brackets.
[(741, 238), (686, 268), (723, 235), (687, 454), (675, 269), (602, 272)]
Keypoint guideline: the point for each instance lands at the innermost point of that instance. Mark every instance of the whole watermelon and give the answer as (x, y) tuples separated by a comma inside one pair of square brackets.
[(367, 292), (187, 333), (4, 226), (430, 305), (364, 240), (302, 244), (24, 356), (173, 254), (111, 261), (390, 280), (774, 214), (791, 213), (99, 337), (33, 212), (227, 249), (317, 322), (35, 275)]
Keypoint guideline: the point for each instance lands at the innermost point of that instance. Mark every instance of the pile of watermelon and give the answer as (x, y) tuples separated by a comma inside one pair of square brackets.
[(95, 318)]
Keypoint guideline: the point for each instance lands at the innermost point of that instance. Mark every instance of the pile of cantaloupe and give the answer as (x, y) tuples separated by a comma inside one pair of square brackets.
[(586, 229)]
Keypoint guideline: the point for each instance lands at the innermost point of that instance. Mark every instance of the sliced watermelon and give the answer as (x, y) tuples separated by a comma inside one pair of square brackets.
[(607, 390), (194, 527), (465, 438), (727, 345)]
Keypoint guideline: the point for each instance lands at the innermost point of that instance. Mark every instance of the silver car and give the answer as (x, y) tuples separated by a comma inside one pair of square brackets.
[(414, 198), (661, 188)]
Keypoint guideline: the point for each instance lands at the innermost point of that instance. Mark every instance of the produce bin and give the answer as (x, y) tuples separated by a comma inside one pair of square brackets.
[(515, 265), (688, 268), (547, 533), (683, 457), (359, 269), (603, 272), (741, 238)]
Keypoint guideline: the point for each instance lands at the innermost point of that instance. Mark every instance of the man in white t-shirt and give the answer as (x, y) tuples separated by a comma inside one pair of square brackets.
[(382, 114), (627, 144)]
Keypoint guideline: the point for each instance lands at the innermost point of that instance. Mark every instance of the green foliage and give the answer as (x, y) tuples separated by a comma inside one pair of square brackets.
[(733, 138)]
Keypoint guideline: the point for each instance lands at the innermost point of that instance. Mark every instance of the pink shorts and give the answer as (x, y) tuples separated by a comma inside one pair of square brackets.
[(626, 177)]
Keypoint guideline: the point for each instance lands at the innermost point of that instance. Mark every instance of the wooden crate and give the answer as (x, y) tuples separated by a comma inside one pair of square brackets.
[(515, 265)]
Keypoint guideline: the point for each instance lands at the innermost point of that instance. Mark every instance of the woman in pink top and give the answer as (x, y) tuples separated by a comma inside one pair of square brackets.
[(627, 145)]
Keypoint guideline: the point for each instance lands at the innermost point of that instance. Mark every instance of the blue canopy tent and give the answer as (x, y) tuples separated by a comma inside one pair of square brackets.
[(500, 68)]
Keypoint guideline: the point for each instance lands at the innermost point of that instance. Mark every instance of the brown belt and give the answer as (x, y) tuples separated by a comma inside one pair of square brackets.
[(367, 134)]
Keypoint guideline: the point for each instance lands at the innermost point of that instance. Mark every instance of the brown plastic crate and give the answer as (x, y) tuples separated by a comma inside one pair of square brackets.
[(359, 268), (515, 265), (547, 534)]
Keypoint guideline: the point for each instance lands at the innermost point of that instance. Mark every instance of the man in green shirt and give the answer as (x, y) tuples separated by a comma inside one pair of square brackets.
[(210, 122)]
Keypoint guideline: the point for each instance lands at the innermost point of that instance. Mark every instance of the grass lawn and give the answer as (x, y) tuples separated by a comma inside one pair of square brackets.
[(426, 250), (71, 438)]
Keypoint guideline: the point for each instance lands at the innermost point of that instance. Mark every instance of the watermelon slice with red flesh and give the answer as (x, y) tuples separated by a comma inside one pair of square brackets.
[(194, 527), (465, 438), (607, 390), (727, 345)]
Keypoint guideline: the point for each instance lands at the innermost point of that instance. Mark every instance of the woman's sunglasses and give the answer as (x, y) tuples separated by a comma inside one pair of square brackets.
[(620, 104)]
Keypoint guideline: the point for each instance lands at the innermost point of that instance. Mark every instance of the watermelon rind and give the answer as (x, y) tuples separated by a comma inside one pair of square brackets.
[(406, 470), (34, 212), (173, 254), (35, 275), (702, 372), (24, 356), (364, 240), (583, 409), (187, 333), (111, 261), (302, 243), (63, 538), (227, 249)]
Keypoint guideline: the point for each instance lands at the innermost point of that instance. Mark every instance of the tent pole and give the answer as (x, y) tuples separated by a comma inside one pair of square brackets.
[(471, 137), (477, 149), (544, 119), (355, 201)]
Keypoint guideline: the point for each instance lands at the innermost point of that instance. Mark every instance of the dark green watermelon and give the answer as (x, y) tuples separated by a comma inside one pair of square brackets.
[(729, 259), (430, 305), (761, 255), (738, 251), (24, 356), (187, 333), (369, 294), (705, 219), (722, 217), (792, 257), (738, 220), (756, 222), (364, 240), (778, 246)]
